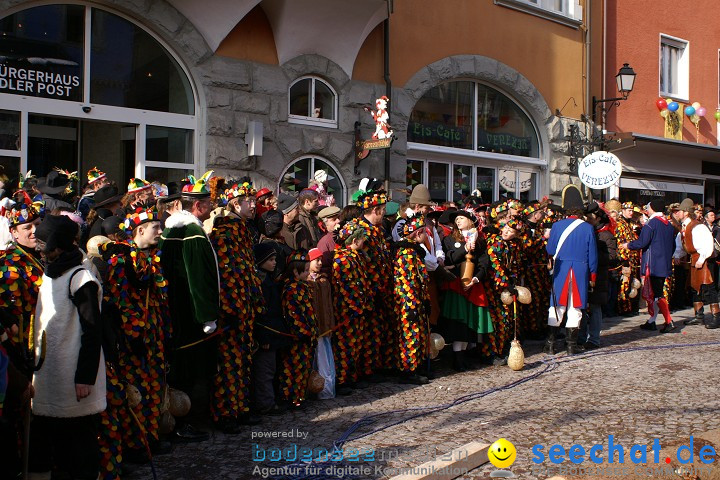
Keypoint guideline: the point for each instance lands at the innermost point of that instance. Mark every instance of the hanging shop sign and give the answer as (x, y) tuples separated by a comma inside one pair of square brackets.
[(383, 135), (508, 180), (600, 170)]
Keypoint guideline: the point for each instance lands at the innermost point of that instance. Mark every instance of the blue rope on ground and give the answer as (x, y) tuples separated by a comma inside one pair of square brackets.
[(548, 365)]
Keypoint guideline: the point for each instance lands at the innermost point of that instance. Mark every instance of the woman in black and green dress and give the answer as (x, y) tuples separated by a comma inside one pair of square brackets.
[(465, 305)]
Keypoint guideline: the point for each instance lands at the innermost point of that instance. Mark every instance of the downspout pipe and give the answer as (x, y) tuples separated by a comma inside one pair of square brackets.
[(388, 84)]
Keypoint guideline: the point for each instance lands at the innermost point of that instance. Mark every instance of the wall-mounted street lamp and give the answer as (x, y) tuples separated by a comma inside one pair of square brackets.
[(625, 79)]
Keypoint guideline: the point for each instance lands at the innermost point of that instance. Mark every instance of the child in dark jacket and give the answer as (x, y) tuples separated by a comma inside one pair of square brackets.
[(271, 332)]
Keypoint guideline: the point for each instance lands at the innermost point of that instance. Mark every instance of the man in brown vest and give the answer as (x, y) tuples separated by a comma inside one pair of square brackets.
[(698, 243)]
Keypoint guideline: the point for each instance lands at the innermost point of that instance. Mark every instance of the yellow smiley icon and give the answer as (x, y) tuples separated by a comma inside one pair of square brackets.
[(502, 453)]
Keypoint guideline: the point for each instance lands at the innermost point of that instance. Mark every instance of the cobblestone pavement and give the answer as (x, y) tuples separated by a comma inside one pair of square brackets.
[(629, 389)]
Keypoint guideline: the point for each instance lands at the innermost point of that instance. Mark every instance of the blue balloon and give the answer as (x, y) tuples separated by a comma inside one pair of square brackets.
[(673, 106), (689, 110)]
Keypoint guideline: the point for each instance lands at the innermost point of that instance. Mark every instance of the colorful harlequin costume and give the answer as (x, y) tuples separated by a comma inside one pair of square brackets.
[(297, 360), (629, 259), (241, 300), (379, 340), (350, 288), (22, 275), (412, 299), (137, 287), (506, 264)]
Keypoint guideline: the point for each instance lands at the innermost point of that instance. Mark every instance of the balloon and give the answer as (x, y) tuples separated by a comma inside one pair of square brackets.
[(633, 293), (701, 111), (636, 283), (661, 104), (437, 341), (673, 106), (689, 110), (665, 113), (717, 116), (696, 105), (434, 352)]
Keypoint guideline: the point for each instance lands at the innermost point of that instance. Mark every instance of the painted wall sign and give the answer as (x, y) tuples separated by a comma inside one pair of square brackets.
[(600, 170), (38, 82)]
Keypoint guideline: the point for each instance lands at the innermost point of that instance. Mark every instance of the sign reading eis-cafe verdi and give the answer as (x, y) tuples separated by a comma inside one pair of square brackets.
[(383, 136), (600, 170), (49, 78)]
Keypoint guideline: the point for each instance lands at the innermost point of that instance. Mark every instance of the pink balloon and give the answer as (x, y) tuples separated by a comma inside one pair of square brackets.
[(701, 111)]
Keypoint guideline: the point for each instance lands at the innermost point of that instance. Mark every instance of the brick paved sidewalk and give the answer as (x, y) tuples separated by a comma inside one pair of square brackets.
[(635, 396)]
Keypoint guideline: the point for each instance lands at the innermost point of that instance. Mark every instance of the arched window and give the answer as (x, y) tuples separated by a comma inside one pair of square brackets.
[(312, 101), (91, 88), (471, 115), (301, 173), (464, 137)]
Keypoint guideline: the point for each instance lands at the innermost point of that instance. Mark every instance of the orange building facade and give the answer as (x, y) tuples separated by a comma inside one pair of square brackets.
[(676, 56), (482, 94)]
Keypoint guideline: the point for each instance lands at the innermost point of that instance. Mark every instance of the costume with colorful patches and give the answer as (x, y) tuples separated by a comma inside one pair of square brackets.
[(297, 361), (506, 260), (379, 340), (350, 288), (240, 301), (412, 304), (136, 286), (21, 276), (629, 260)]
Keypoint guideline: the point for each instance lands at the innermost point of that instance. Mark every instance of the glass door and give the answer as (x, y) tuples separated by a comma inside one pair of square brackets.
[(79, 145)]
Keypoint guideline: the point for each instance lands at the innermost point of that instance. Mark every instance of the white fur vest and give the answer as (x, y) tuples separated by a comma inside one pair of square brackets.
[(57, 316)]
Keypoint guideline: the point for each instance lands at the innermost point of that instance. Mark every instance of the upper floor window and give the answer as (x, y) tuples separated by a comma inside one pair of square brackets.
[(473, 116), (674, 67), (568, 12), (312, 102)]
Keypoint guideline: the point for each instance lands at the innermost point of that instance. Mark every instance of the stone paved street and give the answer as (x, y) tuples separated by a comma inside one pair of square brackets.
[(637, 394)]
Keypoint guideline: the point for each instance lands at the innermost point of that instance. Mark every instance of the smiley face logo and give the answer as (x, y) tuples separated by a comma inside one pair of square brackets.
[(502, 453)]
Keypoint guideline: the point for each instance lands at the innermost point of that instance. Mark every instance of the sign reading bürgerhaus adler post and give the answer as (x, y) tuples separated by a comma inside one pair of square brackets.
[(600, 170)]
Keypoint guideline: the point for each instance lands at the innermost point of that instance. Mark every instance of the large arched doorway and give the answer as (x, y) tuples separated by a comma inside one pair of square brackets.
[(81, 86)]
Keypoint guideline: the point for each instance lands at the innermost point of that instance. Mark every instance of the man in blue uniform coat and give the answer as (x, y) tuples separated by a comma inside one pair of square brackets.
[(574, 251), (657, 242)]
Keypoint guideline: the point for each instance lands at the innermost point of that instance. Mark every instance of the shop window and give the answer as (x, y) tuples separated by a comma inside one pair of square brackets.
[(485, 183), (312, 102), (471, 115), (674, 67), (462, 182), (301, 173), (42, 52), (438, 181), (444, 116), (568, 12), (414, 174)]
